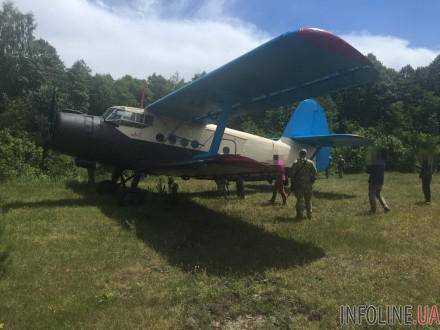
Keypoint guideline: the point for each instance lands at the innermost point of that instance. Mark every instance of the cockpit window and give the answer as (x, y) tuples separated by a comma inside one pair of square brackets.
[(119, 115), (107, 112), (127, 118)]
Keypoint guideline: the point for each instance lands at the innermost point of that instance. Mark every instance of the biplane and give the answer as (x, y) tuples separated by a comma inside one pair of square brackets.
[(184, 134)]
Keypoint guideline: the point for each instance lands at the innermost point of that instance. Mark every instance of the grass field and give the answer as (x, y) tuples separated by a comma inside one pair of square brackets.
[(70, 258)]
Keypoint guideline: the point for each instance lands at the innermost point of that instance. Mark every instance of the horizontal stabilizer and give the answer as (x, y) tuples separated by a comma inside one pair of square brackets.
[(332, 140)]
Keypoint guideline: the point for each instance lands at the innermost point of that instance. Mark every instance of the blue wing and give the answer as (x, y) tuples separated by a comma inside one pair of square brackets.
[(291, 67), (331, 140)]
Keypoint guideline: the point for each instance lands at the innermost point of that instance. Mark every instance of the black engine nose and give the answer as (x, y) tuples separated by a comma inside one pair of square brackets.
[(72, 133)]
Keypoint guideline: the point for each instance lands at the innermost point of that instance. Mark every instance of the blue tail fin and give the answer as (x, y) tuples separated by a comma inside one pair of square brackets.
[(309, 119), (308, 126)]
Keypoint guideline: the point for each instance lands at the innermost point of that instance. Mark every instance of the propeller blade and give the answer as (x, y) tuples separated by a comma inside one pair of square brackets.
[(52, 121), (53, 113)]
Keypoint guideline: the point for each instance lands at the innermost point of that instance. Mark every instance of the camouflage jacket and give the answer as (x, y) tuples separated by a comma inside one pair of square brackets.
[(303, 172), (426, 170)]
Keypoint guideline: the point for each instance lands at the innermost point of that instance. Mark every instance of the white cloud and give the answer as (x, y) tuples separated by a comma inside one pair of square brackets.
[(392, 51), (139, 40), (157, 36)]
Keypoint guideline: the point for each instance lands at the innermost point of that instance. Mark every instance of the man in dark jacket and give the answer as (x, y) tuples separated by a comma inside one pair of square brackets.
[(375, 183), (426, 170)]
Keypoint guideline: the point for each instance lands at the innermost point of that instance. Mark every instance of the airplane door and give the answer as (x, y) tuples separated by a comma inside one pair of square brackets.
[(228, 147)]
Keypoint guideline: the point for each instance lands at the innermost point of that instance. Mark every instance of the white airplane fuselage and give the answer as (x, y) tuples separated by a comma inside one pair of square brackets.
[(135, 139), (234, 142)]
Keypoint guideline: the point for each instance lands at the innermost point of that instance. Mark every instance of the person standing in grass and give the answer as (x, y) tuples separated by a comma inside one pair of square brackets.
[(426, 169), (340, 166), (173, 189), (222, 187), (278, 187), (239, 184), (376, 173), (303, 174), (329, 166)]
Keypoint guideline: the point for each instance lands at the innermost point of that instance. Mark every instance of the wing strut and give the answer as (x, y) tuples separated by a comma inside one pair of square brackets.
[(218, 134)]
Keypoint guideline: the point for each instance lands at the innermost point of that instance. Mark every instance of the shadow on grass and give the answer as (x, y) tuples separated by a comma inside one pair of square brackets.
[(47, 203), (256, 188), (192, 236), (250, 189), (208, 194), (292, 219), (331, 195)]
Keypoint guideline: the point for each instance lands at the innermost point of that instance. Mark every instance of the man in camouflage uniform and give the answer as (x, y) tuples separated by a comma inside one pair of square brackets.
[(340, 166), (303, 175)]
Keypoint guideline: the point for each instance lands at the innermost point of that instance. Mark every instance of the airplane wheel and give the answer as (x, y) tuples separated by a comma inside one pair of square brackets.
[(106, 187)]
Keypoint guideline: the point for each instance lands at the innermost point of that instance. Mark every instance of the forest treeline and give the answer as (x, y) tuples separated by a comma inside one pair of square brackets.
[(400, 112)]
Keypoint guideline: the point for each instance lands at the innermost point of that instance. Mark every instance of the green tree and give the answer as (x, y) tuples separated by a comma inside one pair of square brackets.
[(78, 83), (127, 91), (16, 37), (158, 87), (101, 94)]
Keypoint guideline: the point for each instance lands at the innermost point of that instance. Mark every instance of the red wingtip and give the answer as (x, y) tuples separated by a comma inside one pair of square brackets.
[(330, 42)]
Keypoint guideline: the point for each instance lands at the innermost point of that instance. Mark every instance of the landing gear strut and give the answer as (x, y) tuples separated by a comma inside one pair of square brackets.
[(127, 196), (117, 181), (135, 181), (133, 195)]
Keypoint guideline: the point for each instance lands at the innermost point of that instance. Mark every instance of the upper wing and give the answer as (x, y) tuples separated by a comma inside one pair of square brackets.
[(294, 66), (331, 140)]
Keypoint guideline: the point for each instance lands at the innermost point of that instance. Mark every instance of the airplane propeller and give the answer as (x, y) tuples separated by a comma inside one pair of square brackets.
[(52, 121), (53, 114)]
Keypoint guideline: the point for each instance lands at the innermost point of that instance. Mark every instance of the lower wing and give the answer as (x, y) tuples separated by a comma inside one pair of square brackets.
[(217, 166)]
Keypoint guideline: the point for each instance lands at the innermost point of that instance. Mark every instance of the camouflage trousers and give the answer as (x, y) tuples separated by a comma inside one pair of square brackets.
[(303, 197), (374, 193), (278, 187)]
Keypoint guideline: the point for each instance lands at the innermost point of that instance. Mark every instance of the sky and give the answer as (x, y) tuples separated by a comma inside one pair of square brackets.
[(141, 37)]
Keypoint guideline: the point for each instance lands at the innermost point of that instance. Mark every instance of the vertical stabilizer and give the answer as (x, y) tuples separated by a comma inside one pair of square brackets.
[(309, 119)]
